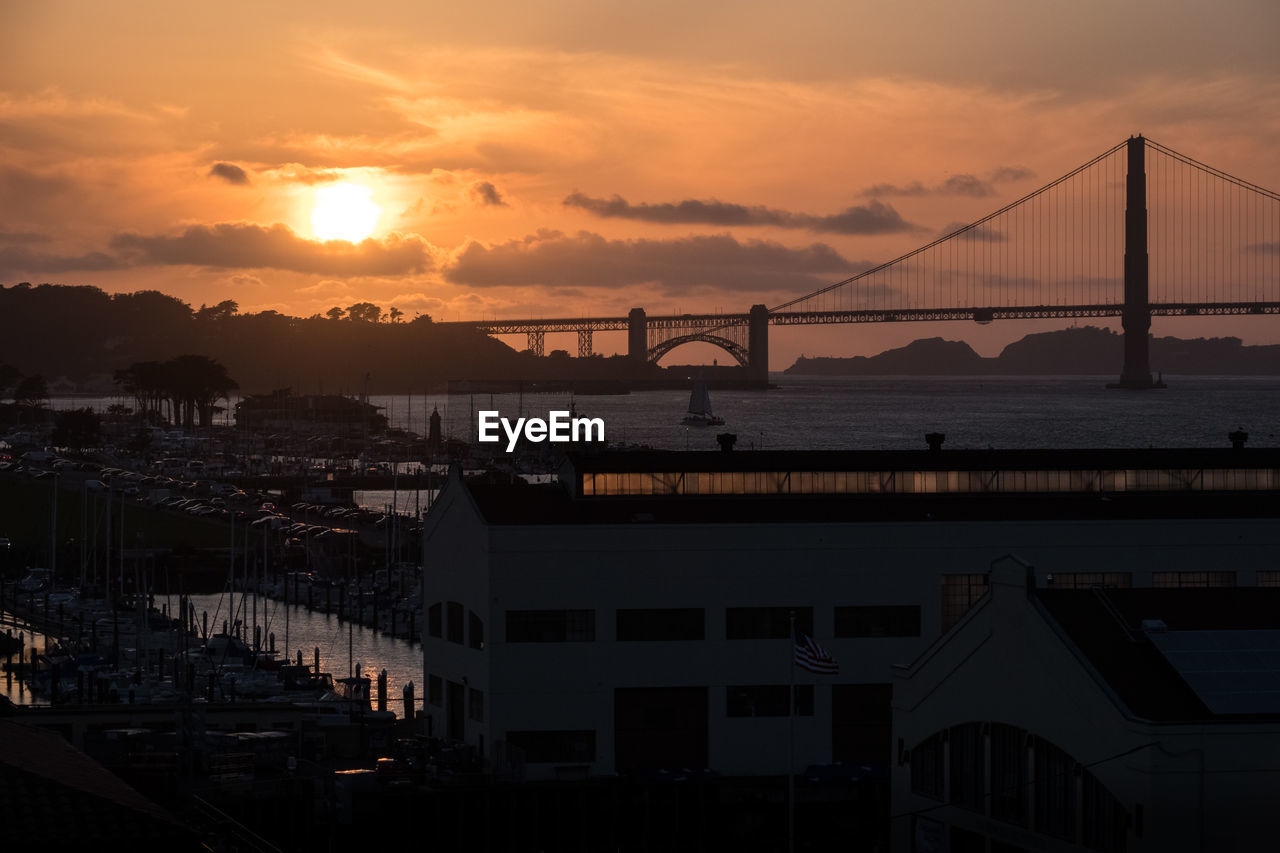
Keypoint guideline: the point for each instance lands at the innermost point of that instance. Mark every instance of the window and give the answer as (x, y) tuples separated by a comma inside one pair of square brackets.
[(767, 700), (1010, 794), (878, 621), (551, 626), (968, 767), (1193, 579), (435, 691), (678, 623), (765, 623), (1085, 580), (555, 746), (927, 762), (475, 630), (454, 623), (1268, 579), (434, 626), (1104, 822), (1055, 785), (959, 592), (475, 705)]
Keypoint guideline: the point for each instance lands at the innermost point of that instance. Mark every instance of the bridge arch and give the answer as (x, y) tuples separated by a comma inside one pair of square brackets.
[(735, 349)]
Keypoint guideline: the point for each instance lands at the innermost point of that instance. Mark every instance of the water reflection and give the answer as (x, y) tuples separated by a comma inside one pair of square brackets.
[(343, 645)]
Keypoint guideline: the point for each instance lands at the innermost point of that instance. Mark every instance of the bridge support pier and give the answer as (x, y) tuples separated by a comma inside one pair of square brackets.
[(537, 342), (1136, 373), (758, 343), (637, 338), (584, 343)]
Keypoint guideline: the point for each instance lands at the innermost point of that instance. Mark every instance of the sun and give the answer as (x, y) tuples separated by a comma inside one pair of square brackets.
[(344, 212)]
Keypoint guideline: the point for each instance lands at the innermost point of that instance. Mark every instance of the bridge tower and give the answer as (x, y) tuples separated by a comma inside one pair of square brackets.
[(637, 338), (1136, 318), (758, 343)]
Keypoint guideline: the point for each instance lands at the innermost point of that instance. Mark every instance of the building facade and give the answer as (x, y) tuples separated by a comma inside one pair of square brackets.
[(636, 615)]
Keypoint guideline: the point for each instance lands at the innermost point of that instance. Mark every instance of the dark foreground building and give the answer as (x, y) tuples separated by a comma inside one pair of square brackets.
[(1100, 719), (634, 616)]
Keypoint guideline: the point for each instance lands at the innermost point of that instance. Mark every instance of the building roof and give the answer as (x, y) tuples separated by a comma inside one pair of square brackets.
[(53, 793), (522, 503), (921, 460), (1107, 627)]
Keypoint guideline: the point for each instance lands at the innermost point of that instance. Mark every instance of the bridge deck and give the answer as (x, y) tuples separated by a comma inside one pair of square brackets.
[(878, 315)]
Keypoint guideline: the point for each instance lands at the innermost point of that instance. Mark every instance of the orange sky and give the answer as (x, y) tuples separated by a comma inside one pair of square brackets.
[(156, 145)]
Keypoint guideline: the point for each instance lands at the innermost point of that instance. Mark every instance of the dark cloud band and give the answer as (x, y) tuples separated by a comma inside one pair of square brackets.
[(873, 218), (588, 260), (238, 245)]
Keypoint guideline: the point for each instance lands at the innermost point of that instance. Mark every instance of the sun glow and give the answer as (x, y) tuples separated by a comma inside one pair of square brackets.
[(344, 212)]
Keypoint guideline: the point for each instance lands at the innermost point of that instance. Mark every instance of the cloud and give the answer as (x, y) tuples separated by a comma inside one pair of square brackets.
[(961, 185), (229, 172), (966, 185), (23, 237), (298, 173), (20, 260), (1011, 173), (981, 234), (873, 218), (242, 245), (487, 194), (555, 259), (245, 280), (20, 186)]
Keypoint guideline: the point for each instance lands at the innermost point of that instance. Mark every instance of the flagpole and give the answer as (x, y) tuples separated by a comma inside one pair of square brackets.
[(791, 749)]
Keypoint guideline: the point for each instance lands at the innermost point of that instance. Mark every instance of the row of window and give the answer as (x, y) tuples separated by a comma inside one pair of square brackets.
[(925, 482), (689, 623), (451, 629), (959, 593), (670, 726), (474, 697), (1021, 779)]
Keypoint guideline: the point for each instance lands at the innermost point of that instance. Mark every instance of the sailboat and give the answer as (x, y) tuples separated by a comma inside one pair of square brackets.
[(700, 408)]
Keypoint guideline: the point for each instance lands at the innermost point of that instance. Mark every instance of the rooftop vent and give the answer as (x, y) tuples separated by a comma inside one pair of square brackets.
[(935, 439), (1238, 438), (727, 440)]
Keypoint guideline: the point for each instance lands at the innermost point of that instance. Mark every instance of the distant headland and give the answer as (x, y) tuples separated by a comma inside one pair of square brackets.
[(1084, 350)]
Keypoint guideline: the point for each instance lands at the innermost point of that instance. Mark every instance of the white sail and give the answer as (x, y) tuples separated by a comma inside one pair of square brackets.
[(700, 400)]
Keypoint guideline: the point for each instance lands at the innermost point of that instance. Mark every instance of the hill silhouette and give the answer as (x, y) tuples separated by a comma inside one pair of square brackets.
[(77, 337), (1082, 350)]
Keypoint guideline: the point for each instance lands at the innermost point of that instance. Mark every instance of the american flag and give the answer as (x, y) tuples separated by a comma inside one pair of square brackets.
[(811, 656)]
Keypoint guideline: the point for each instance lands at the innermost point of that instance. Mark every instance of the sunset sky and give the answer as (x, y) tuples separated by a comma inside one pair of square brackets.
[(574, 158)]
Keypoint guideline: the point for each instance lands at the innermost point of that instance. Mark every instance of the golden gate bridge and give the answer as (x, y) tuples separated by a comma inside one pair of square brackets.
[(1138, 231)]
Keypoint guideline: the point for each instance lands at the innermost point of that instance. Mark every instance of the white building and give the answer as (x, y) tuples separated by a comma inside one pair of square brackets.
[(1102, 719), (635, 615)]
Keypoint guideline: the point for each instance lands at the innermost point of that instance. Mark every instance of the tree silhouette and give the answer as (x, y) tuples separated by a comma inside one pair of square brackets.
[(335, 313), (365, 312), (197, 383), (224, 309), (31, 394), (190, 385), (9, 376)]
